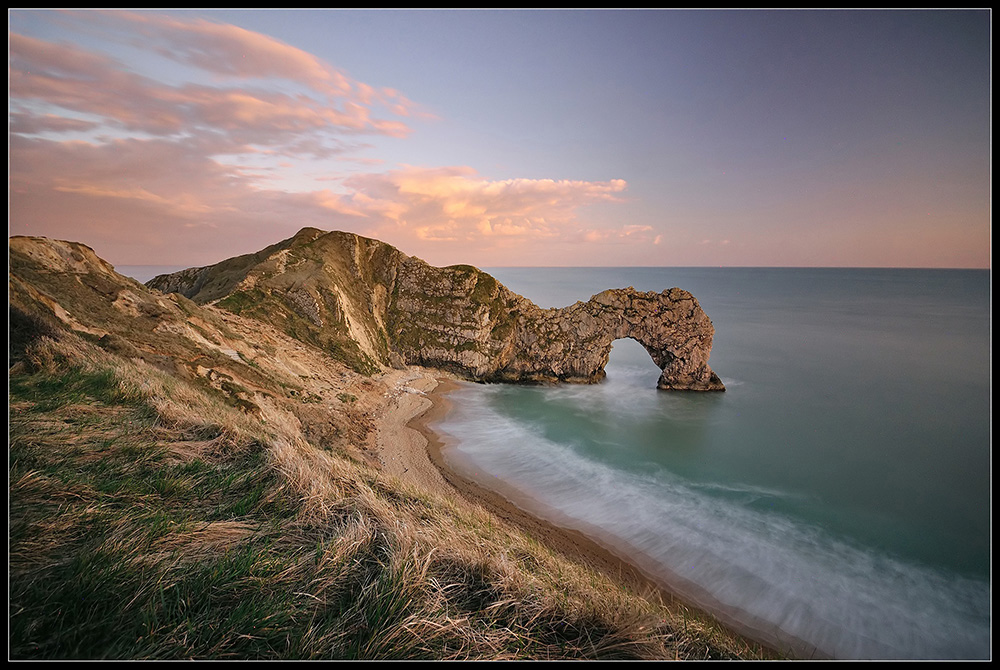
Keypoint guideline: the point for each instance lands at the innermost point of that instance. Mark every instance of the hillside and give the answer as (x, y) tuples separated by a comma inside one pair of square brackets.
[(371, 305), (188, 481)]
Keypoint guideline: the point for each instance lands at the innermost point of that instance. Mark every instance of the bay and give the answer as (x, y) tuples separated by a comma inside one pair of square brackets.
[(835, 499)]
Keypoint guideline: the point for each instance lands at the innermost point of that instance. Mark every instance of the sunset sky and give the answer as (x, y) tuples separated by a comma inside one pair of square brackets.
[(498, 138)]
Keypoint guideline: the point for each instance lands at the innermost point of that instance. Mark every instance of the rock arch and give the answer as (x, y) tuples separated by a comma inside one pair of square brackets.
[(462, 319), (670, 326)]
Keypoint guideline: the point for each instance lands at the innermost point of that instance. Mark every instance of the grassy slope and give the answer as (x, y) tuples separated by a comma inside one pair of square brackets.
[(150, 519), (185, 483)]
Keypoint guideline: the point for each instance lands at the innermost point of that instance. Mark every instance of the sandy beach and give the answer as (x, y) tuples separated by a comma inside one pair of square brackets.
[(409, 449)]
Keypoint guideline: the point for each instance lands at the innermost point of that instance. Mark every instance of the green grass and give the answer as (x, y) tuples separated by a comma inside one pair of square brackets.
[(71, 386), (94, 493), (137, 535)]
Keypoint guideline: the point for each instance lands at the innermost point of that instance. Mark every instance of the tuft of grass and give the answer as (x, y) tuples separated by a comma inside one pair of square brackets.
[(72, 386)]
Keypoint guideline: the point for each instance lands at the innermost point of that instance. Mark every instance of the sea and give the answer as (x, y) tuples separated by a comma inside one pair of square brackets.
[(833, 502)]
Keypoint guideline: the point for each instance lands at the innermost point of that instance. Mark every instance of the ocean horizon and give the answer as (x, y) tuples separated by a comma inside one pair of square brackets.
[(143, 273)]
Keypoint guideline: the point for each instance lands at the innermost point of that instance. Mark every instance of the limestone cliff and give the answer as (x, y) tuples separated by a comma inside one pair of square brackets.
[(372, 306)]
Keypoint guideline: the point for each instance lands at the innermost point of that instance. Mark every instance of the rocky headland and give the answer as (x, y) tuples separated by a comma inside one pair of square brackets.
[(377, 307)]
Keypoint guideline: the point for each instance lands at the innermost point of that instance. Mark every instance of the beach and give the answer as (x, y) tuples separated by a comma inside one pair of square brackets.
[(408, 448)]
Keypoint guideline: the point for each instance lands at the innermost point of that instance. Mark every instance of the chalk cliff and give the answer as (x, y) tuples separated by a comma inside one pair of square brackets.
[(373, 306)]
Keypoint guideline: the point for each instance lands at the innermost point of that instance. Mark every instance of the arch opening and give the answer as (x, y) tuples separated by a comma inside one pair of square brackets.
[(629, 363)]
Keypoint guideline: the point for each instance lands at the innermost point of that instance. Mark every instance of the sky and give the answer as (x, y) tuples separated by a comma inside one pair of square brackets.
[(508, 138)]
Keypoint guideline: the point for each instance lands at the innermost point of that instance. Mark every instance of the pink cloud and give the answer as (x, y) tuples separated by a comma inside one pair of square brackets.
[(456, 204), (126, 195), (69, 78), (29, 124), (232, 51), (229, 51), (152, 201), (179, 173)]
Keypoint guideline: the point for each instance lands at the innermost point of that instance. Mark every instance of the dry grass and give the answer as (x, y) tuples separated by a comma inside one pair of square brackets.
[(150, 519)]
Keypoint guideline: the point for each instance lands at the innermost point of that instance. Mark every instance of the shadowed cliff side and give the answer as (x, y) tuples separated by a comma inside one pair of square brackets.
[(373, 306)]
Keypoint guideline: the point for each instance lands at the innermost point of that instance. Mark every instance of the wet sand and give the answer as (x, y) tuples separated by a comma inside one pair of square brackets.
[(423, 462)]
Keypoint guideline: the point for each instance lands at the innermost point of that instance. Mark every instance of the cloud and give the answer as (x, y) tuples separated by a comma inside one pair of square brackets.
[(73, 82), (28, 124), (105, 154), (163, 173), (139, 189), (151, 201), (455, 204), (231, 51)]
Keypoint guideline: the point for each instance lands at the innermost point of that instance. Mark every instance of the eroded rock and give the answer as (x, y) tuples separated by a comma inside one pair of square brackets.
[(378, 307)]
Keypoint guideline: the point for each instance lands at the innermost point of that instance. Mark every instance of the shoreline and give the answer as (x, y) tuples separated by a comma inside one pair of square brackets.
[(565, 540), (570, 542)]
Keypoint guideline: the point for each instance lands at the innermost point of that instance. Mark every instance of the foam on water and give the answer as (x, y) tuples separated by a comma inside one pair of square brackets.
[(793, 582)]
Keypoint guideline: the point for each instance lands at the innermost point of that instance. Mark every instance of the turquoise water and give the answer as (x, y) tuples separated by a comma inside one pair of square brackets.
[(835, 499)]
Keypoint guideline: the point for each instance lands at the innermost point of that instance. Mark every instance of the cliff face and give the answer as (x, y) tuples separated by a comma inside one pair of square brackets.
[(55, 287), (328, 290), (373, 306)]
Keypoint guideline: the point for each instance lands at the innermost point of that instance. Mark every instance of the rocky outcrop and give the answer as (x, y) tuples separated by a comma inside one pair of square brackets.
[(574, 343), (329, 290), (63, 291), (373, 306), (73, 284)]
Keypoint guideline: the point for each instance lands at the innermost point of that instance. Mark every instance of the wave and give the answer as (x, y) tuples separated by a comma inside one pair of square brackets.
[(762, 568)]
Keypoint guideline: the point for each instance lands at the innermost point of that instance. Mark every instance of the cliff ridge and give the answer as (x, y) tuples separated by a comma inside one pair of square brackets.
[(376, 307)]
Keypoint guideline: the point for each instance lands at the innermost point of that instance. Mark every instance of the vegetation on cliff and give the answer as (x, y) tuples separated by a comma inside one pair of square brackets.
[(189, 483)]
